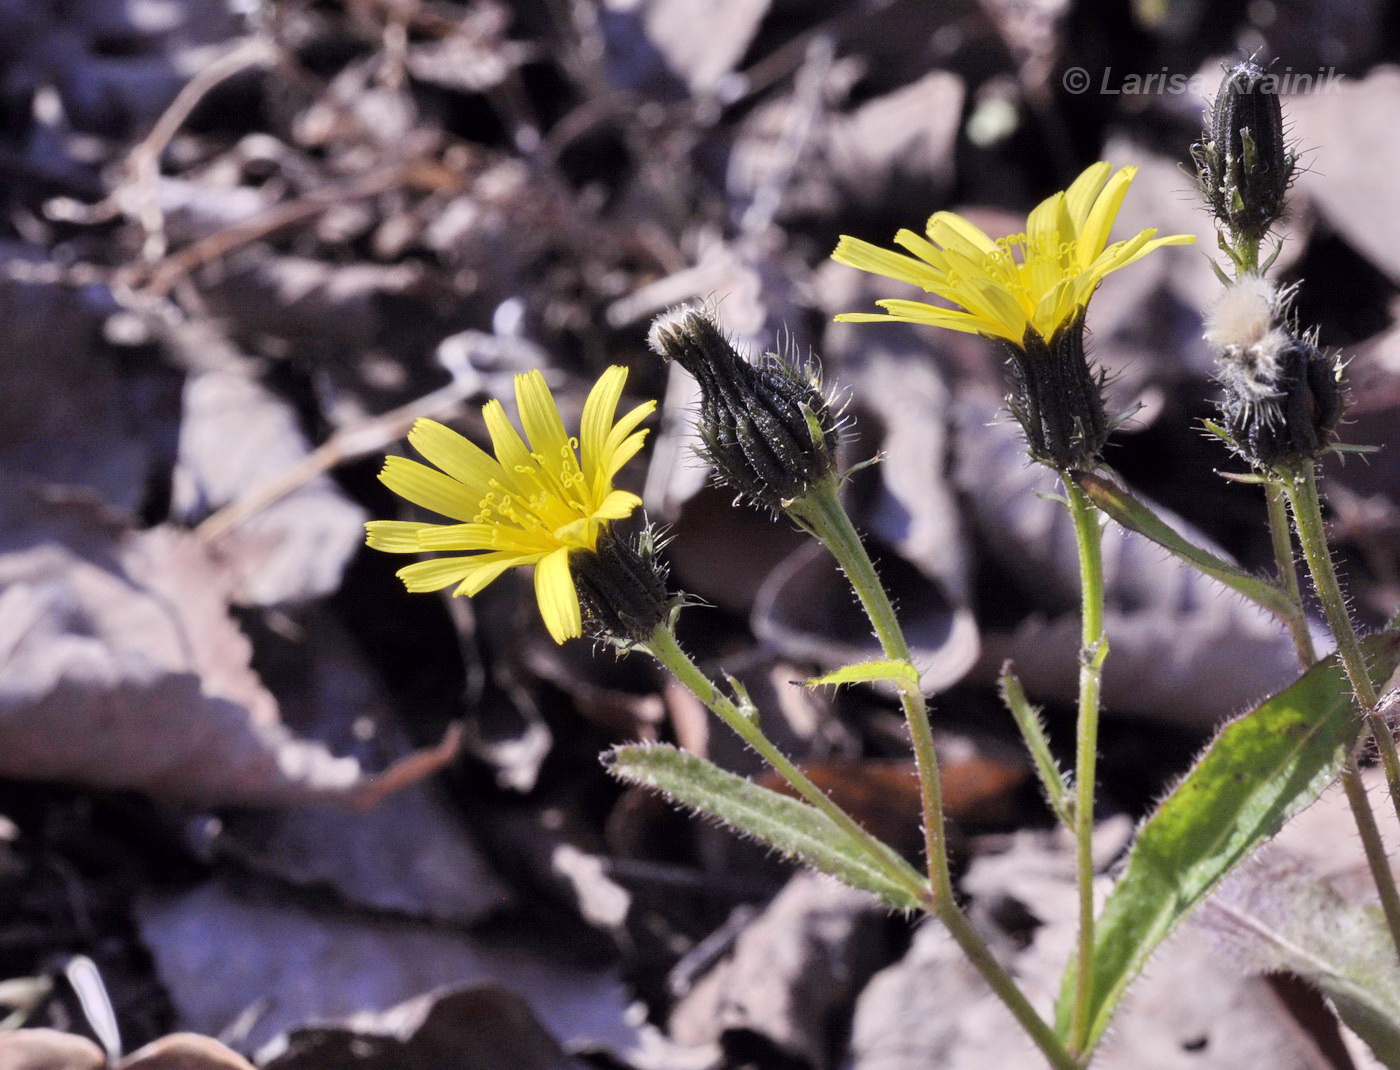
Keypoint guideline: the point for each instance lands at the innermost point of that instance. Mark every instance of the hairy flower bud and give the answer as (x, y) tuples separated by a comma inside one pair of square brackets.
[(1294, 419), (1057, 398), (1243, 161), (766, 427), (622, 587), (1282, 395)]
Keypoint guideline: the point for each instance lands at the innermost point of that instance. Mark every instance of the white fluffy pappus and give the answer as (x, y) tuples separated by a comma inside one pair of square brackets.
[(1243, 326)]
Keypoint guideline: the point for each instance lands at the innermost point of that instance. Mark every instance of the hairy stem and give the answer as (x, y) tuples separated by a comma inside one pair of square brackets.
[(822, 513), (1093, 650), (1281, 535), (1301, 489)]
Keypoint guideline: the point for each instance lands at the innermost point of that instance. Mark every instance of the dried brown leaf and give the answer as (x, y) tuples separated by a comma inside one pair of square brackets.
[(120, 667)]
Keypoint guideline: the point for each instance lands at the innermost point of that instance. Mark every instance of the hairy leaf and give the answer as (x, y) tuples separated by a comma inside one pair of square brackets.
[(1133, 515), (1261, 769), (795, 828), (1027, 717), (899, 672)]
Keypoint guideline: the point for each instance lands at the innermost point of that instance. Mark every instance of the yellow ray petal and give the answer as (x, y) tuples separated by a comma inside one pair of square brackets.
[(423, 576), (540, 416), (998, 305), (1134, 250), (598, 412), (867, 257), (487, 568), (1043, 237), (508, 446), (1054, 307), (1079, 198), (461, 537), (618, 505), (428, 488), (619, 437), (1093, 235), (554, 590), (580, 534), (869, 317), (464, 461), (953, 319), (625, 451), (395, 536), (952, 231), (921, 247)]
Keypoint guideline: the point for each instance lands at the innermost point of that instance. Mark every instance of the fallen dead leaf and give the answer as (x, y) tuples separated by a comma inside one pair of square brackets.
[(121, 646), (48, 1049), (282, 966), (485, 1028), (184, 1051)]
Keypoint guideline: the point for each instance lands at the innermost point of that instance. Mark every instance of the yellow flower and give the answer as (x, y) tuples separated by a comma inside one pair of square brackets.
[(531, 504), (1036, 280)]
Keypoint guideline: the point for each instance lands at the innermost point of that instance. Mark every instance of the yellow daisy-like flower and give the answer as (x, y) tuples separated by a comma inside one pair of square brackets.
[(531, 504), (1036, 280)]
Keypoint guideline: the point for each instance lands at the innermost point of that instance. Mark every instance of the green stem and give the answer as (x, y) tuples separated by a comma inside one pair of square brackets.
[(1093, 651), (663, 646), (1280, 533), (1373, 844), (1301, 488), (1312, 535), (822, 513)]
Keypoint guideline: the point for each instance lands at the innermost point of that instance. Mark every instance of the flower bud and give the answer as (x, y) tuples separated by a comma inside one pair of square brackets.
[(766, 428), (622, 587), (1243, 161), (1057, 398)]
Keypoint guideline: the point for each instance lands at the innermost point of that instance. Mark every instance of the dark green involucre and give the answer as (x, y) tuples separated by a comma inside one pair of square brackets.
[(622, 587), (1244, 163), (1058, 398), (766, 428)]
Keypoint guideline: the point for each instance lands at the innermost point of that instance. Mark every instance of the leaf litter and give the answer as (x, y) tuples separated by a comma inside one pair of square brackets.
[(246, 248)]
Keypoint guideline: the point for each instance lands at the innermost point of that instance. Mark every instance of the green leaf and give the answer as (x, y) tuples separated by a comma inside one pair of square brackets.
[(1275, 916), (1261, 769), (1133, 515), (1027, 717), (866, 672), (795, 828)]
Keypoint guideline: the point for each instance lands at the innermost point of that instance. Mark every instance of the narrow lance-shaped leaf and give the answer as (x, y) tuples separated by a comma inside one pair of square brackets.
[(1260, 770), (866, 672), (1133, 515), (1027, 717), (795, 828)]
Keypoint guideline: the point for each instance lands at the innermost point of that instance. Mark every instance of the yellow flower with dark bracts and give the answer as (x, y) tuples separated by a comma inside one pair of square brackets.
[(531, 504), (1036, 280)]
